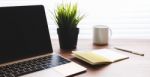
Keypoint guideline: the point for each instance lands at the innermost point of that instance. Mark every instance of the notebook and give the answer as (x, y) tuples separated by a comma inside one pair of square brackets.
[(100, 56)]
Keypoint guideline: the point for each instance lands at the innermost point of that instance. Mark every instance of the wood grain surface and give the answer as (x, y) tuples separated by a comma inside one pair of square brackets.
[(135, 66)]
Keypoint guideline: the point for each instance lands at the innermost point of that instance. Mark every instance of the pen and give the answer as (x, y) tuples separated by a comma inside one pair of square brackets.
[(122, 49)]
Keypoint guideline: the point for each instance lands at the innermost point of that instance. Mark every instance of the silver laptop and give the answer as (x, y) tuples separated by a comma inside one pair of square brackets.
[(25, 45)]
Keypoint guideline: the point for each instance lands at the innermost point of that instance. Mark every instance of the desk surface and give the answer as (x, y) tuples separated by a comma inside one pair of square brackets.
[(135, 66)]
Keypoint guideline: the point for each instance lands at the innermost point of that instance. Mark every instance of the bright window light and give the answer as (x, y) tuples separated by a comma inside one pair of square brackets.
[(126, 18)]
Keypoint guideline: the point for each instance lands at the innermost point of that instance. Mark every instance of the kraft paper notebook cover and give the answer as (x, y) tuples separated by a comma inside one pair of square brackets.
[(101, 56)]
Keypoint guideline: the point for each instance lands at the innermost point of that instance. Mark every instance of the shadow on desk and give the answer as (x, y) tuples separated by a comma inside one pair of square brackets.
[(136, 66), (89, 66)]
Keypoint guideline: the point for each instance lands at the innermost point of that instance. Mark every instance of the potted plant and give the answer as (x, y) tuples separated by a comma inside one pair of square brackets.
[(67, 19)]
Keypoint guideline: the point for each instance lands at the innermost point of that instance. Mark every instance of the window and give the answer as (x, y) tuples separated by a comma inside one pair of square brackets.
[(126, 18)]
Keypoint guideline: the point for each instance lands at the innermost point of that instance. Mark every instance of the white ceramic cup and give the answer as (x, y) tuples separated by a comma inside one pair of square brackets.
[(101, 35)]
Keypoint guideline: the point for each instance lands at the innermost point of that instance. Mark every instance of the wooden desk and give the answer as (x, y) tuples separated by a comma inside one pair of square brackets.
[(135, 66)]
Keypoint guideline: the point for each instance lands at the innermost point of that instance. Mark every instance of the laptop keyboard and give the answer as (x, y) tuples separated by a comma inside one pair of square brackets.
[(21, 68)]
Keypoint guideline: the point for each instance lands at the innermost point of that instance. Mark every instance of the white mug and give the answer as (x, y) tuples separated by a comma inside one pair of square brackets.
[(101, 35)]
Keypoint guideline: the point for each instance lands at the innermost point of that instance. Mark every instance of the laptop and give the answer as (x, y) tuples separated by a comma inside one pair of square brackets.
[(25, 45)]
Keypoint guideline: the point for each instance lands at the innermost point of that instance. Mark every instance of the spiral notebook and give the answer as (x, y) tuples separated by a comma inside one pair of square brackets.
[(100, 56)]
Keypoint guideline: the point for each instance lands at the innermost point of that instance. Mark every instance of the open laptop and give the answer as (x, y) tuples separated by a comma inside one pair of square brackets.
[(25, 45)]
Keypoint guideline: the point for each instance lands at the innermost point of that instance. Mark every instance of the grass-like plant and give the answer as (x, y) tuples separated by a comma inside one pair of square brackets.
[(66, 16)]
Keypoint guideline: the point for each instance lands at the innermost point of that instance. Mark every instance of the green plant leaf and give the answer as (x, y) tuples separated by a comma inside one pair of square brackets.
[(66, 16)]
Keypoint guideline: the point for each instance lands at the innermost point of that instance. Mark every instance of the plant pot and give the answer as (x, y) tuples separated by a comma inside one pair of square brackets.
[(68, 38)]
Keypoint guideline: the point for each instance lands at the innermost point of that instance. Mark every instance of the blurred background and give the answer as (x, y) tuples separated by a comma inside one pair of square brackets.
[(126, 18)]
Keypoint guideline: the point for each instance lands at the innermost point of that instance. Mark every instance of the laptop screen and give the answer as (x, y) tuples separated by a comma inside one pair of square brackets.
[(23, 32)]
